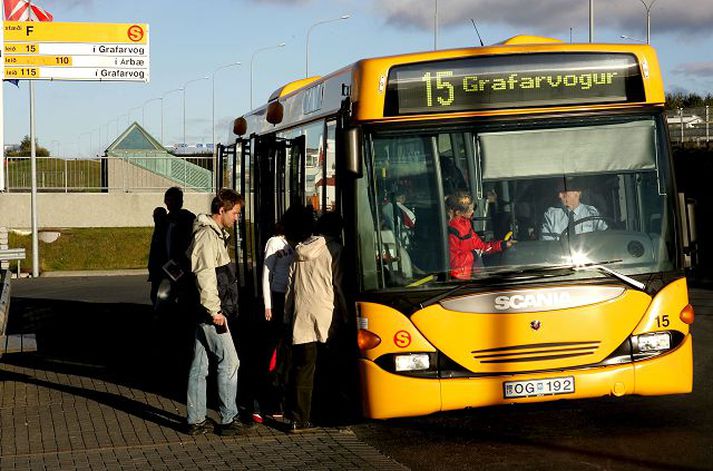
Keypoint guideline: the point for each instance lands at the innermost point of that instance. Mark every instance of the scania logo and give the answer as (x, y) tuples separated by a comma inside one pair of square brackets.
[(535, 325), (552, 299)]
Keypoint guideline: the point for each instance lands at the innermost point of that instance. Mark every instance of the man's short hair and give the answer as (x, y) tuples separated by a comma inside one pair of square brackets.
[(175, 194), (226, 199)]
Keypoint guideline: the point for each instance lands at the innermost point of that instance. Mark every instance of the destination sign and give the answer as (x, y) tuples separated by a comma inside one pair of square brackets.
[(76, 73), (77, 61), (76, 51), (56, 31), (513, 81)]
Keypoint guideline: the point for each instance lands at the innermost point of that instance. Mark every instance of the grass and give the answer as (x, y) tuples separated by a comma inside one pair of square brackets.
[(102, 248)]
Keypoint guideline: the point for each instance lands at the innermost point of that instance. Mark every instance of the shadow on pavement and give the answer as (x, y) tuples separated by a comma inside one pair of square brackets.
[(124, 344)]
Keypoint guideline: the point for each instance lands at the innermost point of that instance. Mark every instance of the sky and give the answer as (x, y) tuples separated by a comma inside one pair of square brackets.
[(191, 40)]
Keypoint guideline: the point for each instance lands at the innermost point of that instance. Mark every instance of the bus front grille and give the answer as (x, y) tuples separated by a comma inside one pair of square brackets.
[(535, 352)]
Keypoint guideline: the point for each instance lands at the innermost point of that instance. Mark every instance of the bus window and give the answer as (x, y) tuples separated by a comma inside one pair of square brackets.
[(408, 209), (314, 165), (330, 189)]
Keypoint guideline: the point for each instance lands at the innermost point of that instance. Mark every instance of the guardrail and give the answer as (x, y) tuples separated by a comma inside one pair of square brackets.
[(4, 306), (691, 125), (7, 255), (140, 173)]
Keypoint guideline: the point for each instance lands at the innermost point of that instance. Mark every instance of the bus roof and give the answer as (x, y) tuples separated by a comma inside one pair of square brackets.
[(399, 87)]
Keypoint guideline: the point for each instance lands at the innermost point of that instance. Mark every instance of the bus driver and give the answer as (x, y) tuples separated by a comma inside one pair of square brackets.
[(560, 219)]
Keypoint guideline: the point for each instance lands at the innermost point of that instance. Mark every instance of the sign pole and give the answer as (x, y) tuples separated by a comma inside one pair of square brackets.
[(33, 171), (2, 111)]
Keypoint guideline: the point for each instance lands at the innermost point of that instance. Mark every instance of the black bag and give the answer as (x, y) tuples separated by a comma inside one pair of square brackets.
[(228, 290)]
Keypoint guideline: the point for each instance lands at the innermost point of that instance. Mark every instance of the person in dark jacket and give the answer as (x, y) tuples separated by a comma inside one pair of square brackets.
[(218, 301), (170, 239)]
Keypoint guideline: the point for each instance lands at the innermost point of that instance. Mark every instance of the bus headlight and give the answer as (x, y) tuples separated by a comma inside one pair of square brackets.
[(412, 362), (654, 342)]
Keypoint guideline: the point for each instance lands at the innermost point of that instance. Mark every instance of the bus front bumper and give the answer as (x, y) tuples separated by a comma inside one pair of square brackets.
[(387, 395)]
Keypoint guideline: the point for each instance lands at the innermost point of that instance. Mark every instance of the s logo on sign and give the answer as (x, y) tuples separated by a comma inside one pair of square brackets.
[(135, 33), (535, 325), (402, 339)]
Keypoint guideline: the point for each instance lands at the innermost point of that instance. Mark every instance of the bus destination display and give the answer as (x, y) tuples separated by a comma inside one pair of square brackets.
[(495, 82)]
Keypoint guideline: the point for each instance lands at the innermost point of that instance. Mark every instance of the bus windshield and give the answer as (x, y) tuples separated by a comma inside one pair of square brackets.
[(568, 192)]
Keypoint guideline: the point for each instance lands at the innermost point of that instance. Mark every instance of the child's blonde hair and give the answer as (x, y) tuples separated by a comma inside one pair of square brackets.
[(459, 202)]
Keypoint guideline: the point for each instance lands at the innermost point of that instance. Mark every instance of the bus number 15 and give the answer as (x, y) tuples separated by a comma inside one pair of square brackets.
[(440, 85)]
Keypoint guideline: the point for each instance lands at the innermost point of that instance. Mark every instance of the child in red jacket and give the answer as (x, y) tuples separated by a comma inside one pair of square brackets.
[(463, 242)]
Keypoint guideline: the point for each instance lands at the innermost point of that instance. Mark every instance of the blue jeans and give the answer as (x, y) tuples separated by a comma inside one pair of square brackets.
[(221, 348)]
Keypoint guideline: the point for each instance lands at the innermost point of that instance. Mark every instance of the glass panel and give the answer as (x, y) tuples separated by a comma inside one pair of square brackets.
[(314, 165), (331, 168), (408, 209), (617, 212)]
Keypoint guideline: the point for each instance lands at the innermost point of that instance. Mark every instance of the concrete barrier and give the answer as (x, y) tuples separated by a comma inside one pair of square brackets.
[(90, 209)]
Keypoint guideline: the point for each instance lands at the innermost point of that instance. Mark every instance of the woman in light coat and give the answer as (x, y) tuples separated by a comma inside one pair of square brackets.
[(310, 300)]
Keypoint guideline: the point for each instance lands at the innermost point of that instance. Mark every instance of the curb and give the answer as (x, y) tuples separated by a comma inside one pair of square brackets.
[(85, 273)]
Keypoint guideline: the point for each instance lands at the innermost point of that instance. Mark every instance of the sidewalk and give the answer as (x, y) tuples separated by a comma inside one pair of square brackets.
[(55, 420), (101, 392)]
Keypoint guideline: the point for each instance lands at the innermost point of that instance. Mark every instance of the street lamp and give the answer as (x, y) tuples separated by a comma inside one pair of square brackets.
[(180, 89), (184, 103), (252, 59), (90, 141), (128, 119), (435, 25), (108, 132), (648, 19), (624, 36), (309, 30), (234, 64), (143, 109)]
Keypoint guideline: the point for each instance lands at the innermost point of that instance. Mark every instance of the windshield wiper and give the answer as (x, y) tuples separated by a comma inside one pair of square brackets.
[(538, 271), (600, 266)]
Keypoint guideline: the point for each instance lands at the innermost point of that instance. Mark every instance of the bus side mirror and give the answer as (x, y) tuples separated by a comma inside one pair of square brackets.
[(689, 236), (240, 126), (275, 112), (354, 151)]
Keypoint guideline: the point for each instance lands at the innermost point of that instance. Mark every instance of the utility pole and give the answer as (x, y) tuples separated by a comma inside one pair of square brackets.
[(591, 21)]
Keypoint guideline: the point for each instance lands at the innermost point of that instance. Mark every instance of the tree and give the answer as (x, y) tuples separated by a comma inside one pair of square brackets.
[(24, 150), (684, 100)]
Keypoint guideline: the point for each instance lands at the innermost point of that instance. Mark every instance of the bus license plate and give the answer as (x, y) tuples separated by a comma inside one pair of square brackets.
[(538, 387)]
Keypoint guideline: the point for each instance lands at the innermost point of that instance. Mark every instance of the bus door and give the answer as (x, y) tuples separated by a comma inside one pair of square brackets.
[(238, 181), (295, 177), (225, 172), (272, 195), (264, 186)]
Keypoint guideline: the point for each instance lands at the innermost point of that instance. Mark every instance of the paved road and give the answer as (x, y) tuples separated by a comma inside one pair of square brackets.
[(100, 393), (91, 411), (630, 433)]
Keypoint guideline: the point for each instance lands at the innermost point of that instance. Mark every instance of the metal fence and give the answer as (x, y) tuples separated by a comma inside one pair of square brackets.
[(690, 125), (110, 174)]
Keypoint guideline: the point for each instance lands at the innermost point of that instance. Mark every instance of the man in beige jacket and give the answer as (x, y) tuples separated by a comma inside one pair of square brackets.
[(218, 294)]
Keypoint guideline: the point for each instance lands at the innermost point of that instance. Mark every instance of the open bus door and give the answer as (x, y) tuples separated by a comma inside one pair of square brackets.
[(277, 172), (230, 173)]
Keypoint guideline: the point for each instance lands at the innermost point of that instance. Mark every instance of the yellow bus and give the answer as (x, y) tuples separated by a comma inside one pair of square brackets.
[(582, 305)]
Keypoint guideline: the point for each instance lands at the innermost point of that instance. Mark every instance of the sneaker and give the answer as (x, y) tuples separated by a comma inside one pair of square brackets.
[(200, 428), (230, 430), (299, 427), (257, 418)]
